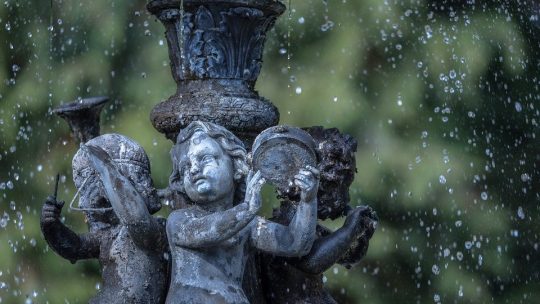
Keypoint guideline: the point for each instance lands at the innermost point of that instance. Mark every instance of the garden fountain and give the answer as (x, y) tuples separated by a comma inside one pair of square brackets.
[(215, 50)]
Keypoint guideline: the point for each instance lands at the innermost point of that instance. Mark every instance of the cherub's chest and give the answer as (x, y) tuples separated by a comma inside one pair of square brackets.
[(117, 246)]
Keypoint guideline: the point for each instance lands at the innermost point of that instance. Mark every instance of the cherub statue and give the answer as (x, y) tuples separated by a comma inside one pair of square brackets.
[(299, 280), (210, 240), (112, 175)]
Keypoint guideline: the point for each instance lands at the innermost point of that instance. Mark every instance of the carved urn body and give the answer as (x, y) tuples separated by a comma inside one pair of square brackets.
[(215, 49)]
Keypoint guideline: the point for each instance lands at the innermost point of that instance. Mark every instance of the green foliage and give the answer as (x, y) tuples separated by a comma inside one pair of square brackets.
[(442, 99)]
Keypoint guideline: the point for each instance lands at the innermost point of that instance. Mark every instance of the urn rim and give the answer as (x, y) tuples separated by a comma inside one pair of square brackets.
[(81, 104), (272, 6)]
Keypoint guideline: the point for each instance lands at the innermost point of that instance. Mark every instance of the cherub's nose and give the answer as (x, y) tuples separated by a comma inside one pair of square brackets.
[(194, 169)]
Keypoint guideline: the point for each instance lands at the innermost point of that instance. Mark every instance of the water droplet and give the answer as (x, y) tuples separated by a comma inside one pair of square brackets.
[(429, 31), (442, 179), (282, 51), (4, 220), (435, 269), (301, 20), (446, 252), (484, 196), (525, 177), (39, 168), (518, 106), (459, 223), (436, 298), (328, 25), (521, 213), (468, 244), (452, 74), (459, 255), (298, 90)]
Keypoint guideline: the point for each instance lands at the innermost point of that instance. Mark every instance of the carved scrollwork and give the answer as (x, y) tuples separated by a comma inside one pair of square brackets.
[(224, 45)]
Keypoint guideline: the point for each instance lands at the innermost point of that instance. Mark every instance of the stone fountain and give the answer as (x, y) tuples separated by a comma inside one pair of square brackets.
[(215, 248)]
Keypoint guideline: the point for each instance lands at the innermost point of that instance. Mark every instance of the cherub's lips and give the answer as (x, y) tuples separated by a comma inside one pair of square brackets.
[(198, 179)]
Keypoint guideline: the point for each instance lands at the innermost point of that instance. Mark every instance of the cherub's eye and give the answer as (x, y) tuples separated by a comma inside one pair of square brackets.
[(207, 158)]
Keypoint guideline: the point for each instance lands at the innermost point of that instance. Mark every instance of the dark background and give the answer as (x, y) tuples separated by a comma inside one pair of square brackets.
[(442, 96)]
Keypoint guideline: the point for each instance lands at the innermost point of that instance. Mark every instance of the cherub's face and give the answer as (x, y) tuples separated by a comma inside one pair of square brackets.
[(208, 171)]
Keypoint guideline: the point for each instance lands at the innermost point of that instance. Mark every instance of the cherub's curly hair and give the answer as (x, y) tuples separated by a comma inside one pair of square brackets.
[(227, 141), (337, 166)]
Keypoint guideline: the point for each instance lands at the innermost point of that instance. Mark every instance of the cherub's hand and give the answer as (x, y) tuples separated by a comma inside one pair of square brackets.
[(51, 210), (253, 191), (308, 182), (363, 220)]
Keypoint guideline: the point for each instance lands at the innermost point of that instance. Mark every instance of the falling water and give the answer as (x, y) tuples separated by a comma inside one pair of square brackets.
[(49, 68), (289, 30), (181, 42)]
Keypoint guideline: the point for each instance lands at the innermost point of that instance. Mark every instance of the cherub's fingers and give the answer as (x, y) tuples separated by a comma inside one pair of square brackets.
[(309, 174), (49, 207), (303, 178), (59, 204), (249, 176), (259, 184), (313, 170), (48, 220), (301, 184), (254, 179), (49, 215), (305, 171), (257, 176), (48, 211)]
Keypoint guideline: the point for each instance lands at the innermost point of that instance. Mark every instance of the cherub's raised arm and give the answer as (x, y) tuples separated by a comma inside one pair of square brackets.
[(333, 246), (293, 240), (186, 228), (297, 238), (128, 204), (61, 239)]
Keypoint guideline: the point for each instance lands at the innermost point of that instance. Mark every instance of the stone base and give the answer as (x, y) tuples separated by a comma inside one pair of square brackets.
[(229, 103)]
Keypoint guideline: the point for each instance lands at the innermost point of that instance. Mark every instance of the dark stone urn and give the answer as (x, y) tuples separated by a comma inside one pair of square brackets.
[(216, 56)]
